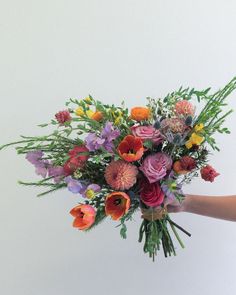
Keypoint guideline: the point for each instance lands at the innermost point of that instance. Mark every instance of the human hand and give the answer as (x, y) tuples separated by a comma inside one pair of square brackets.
[(170, 206)]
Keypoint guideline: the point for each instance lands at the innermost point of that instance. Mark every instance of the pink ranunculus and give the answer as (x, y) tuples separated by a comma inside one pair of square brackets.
[(151, 194), (208, 173), (147, 133), (155, 166)]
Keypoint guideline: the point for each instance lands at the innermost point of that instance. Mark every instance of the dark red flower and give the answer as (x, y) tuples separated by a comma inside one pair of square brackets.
[(188, 163), (79, 152), (78, 157), (63, 116), (151, 193), (208, 173)]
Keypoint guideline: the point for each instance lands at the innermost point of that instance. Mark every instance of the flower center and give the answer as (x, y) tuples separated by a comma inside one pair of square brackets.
[(117, 202)]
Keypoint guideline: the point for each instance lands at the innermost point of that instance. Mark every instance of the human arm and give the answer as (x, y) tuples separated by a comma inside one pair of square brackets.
[(221, 207)]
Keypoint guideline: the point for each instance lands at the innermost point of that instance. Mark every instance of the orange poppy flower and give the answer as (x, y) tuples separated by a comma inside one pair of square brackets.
[(97, 116), (131, 148), (117, 204), (140, 113), (84, 216)]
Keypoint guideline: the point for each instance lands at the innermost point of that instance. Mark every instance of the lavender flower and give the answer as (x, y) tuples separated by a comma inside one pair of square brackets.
[(57, 172), (44, 167), (73, 185), (170, 187), (34, 157), (108, 134), (93, 142)]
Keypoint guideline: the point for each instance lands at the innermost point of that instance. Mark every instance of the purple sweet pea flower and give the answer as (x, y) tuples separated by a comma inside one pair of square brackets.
[(73, 185), (57, 172), (41, 169), (109, 133), (34, 157), (93, 142)]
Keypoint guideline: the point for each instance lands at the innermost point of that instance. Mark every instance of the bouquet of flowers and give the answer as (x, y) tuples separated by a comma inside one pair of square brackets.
[(117, 161)]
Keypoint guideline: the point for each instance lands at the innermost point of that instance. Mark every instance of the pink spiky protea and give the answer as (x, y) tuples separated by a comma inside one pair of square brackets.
[(63, 116), (176, 125), (121, 175), (184, 107)]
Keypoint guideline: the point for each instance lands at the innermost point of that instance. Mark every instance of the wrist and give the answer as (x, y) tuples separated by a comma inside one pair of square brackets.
[(185, 207)]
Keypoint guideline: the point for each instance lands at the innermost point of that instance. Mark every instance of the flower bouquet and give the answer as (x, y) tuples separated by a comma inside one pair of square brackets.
[(117, 161)]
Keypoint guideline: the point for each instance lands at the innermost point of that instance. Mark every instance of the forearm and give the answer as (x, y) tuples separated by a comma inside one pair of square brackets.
[(223, 207)]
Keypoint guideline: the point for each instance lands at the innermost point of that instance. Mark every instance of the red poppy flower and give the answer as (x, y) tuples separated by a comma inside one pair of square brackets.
[(117, 204), (84, 216), (131, 148)]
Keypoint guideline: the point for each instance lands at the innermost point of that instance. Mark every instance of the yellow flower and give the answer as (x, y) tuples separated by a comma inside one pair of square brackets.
[(117, 120), (90, 194), (89, 113), (198, 127), (88, 99), (79, 111), (188, 144), (194, 139)]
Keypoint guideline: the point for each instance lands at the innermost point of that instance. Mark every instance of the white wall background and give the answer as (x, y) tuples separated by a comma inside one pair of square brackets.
[(55, 49)]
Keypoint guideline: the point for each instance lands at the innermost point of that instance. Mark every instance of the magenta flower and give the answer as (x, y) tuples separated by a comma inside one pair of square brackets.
[(155, 166)]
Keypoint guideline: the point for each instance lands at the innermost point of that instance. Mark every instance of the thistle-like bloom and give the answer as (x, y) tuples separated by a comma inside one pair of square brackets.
[(117, 204), (131, 148), (84, 216), (175, 125), (121, 175)]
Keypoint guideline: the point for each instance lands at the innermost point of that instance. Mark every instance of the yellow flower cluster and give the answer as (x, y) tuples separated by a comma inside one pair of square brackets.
[(95, 115), (195, 138)]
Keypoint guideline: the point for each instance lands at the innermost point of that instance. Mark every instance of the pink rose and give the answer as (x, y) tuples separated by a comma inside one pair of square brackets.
[(155, 166), (151, 193), (208, 173), (147, 133)]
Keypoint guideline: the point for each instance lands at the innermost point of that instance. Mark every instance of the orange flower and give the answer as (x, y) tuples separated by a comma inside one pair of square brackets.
[(177, 167), (97, 116), (84, 216), (117, 204), (140, 113), (131, 148)]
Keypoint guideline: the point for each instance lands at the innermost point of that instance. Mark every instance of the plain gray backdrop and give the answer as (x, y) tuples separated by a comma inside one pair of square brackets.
[(53, 50)]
